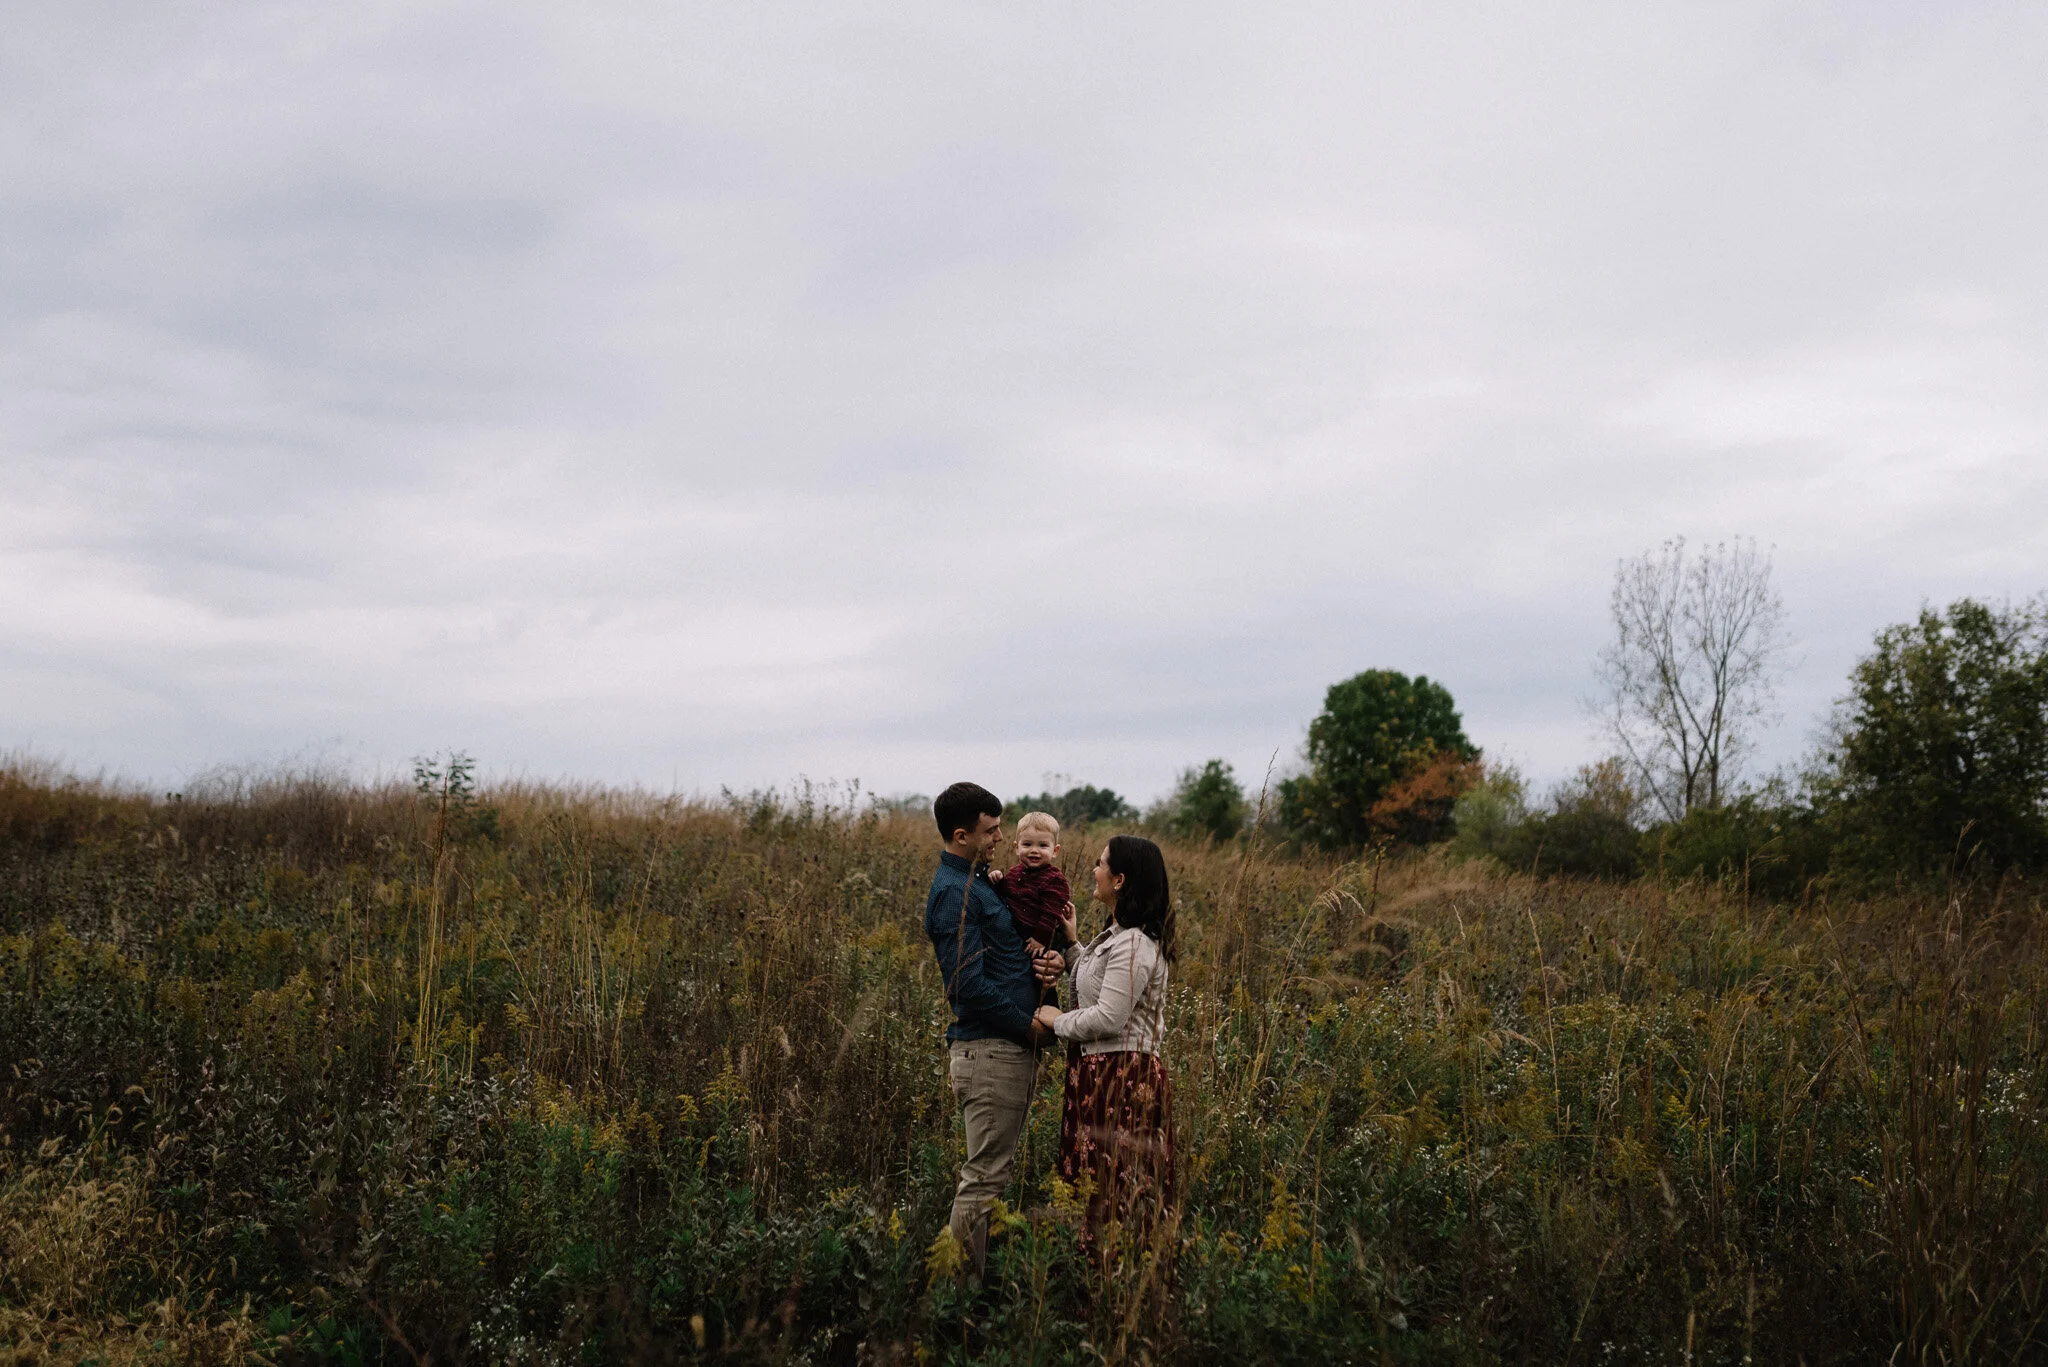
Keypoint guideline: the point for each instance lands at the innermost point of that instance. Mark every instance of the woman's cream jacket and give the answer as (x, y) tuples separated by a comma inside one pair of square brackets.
[(1119, 994)]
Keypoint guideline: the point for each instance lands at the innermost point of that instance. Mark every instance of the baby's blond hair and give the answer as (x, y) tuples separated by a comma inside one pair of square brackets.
[(1039, 821)]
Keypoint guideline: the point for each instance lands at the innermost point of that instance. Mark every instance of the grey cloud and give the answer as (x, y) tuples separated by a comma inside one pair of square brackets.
[(670, 394)]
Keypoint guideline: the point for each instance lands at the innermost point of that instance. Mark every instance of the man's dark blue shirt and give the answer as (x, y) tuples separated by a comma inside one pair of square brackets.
[(982, 958)]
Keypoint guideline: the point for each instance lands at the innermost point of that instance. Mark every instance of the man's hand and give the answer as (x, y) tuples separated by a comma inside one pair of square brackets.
[(1048, 965), (1041, 1033)]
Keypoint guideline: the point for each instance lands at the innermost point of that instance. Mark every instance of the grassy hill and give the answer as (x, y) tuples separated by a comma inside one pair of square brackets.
[(325, 1073)]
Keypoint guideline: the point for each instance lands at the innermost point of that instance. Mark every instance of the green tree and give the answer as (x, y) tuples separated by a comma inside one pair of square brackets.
[(1940, 751), (1078, 806), (1206, 801), (1376, 728)]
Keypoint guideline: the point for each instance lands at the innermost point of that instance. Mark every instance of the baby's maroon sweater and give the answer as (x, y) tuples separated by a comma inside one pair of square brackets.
[(1037, 898)]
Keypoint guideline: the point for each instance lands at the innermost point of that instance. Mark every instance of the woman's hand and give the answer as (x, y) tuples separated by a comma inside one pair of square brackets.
[(1046, 1016), (1068, 920)]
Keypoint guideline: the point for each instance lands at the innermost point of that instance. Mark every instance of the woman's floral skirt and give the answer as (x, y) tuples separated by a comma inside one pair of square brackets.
[(1117, 1129)]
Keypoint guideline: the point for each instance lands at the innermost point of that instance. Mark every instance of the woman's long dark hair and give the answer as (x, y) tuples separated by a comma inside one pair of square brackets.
[(1144, 900)]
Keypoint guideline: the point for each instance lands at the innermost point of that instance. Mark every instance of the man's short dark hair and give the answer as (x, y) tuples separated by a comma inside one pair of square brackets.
[(961, 807)]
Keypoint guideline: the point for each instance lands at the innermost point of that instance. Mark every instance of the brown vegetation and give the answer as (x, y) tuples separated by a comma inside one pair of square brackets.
[(542, 1075)]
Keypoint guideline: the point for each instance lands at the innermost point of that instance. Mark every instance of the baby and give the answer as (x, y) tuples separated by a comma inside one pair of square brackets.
[(1034, 889)]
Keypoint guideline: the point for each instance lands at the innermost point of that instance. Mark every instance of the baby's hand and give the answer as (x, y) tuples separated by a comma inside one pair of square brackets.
[(995, 875)]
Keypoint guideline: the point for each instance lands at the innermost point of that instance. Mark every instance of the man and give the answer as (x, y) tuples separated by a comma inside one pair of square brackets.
[(992, 985)]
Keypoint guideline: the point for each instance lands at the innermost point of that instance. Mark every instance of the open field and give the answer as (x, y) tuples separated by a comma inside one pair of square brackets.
[(333, 1074)]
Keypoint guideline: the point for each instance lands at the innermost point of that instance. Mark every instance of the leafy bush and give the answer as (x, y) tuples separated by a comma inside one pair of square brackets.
[(1489, 812), (1764, 842), (1587, 828)]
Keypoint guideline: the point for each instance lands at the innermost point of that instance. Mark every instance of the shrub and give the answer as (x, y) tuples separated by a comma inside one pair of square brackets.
[(1763, 841), (1587, 828), (1489, 811)]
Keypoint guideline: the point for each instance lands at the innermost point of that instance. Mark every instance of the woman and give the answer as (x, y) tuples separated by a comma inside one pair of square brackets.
[(1117, 1126)]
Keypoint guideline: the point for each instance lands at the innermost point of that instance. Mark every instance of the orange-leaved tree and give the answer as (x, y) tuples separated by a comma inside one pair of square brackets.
[(1415, 809)]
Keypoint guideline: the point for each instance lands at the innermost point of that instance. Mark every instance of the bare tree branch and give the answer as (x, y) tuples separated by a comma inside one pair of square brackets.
[(1690, 676)]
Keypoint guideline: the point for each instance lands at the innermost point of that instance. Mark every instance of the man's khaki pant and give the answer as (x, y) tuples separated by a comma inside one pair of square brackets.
[(992, 1081)]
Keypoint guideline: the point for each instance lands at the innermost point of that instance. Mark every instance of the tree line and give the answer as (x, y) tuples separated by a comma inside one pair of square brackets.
[(1933, 763)]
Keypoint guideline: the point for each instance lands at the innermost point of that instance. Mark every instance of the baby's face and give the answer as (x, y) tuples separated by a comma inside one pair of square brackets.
[(1035, 847)]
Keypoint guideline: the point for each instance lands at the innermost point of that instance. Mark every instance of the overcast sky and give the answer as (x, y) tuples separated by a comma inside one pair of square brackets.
[(708, 395)]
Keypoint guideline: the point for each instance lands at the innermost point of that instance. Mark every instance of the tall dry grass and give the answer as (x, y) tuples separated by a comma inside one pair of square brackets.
[(541, 1075)]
